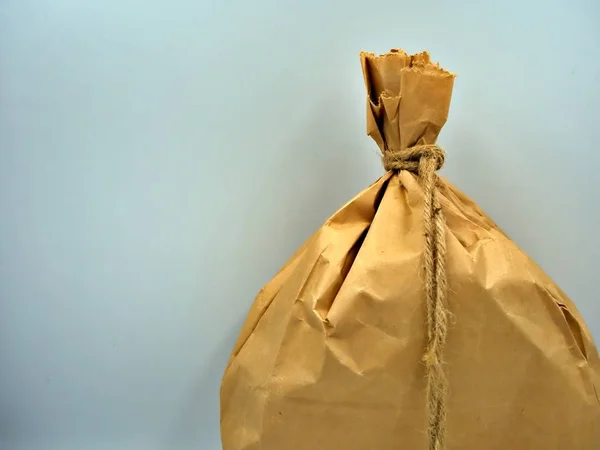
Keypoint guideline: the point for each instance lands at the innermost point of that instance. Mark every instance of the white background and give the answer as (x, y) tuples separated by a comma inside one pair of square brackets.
[(159, 160)]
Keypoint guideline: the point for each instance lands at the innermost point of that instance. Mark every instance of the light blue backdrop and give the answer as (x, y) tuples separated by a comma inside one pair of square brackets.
[(159, 160)]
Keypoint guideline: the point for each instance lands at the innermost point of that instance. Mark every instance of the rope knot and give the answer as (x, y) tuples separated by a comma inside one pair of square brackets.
[(410, 158), (424, 160)]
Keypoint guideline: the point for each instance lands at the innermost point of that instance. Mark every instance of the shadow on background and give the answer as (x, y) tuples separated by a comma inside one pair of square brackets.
[(196, 426)]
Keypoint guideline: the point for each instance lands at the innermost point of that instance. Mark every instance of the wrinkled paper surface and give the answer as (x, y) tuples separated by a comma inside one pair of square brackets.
[(330, 356)]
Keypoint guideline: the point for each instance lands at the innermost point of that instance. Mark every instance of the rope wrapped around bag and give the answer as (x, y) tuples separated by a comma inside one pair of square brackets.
[(424, 160)]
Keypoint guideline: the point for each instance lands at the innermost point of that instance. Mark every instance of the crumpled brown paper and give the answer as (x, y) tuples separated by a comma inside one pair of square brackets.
[(330, 356)]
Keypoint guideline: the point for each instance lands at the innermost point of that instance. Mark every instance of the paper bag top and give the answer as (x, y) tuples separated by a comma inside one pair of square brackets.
[(408, 98)]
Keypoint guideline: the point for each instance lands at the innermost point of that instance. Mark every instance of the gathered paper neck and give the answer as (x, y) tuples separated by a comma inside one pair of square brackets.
[(408, 98)]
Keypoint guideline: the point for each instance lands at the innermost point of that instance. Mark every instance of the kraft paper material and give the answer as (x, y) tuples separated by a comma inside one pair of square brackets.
[(331, 354)]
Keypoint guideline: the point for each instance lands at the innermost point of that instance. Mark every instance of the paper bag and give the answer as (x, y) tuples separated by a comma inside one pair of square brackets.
[(336, 352)]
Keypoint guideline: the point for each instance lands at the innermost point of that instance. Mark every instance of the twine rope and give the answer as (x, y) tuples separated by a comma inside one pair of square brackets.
[(424, 160)]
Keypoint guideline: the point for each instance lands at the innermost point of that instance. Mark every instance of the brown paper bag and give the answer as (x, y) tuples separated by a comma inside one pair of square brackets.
[(409, 320)]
